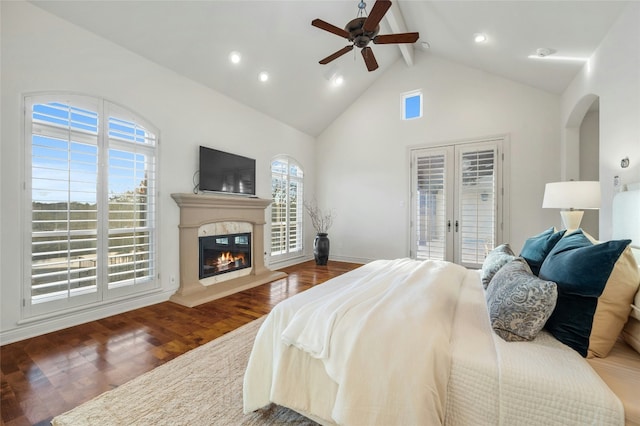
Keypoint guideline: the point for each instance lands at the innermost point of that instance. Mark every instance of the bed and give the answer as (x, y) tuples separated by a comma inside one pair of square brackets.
[(424, 342)]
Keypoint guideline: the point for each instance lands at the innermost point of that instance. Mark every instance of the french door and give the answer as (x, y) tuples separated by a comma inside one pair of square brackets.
[(457, 201)]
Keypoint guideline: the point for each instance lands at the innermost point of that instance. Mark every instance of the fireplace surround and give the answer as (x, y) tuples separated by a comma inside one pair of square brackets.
[(209, 215)]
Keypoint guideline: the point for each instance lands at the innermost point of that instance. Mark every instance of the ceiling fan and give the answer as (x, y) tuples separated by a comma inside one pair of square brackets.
[(362, 30)]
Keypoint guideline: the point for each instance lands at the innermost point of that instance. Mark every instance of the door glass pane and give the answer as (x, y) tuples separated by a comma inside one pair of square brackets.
[(477, 205), (430, 207)]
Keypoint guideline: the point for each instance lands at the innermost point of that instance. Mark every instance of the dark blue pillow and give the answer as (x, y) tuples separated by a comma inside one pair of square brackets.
[(581, 270), (536, 249)]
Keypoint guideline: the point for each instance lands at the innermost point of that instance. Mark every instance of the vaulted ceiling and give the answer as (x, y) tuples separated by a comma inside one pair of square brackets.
[(195, 38)]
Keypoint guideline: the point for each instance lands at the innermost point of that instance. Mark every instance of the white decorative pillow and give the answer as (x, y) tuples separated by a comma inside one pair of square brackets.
[(519, 302), (496, 259)]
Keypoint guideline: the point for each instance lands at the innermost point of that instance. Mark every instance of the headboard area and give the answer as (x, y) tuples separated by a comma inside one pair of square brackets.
[(626, 224), (626, 217)]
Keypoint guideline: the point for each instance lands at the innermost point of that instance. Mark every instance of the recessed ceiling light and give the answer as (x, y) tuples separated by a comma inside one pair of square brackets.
[(480, 38), (235, 57), (263, 76)]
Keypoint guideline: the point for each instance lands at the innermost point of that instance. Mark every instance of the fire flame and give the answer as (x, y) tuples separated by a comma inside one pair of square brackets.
[(229, 258)]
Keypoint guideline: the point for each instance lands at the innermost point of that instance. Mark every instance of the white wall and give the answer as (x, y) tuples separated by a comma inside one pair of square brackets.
[(613, 74), (589, 167), (362, 158), (40, 52)]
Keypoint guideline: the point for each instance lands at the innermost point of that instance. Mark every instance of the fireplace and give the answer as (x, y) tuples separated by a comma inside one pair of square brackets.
[(207, 223), (220, 254)]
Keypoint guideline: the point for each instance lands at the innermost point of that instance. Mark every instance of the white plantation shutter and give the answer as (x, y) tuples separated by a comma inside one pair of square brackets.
[(91, 196), (131, 201), (286, 207), (430, 189), (477, 209), (456, 202), (64, 217)]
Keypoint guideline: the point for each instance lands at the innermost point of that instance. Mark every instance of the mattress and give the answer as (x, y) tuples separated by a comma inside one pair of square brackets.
[(620, 370)]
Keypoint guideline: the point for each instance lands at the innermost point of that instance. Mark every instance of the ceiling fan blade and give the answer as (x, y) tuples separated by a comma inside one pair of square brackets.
[(336, 55), (369, 59), (319, 23), (379, 9), (396, 38)]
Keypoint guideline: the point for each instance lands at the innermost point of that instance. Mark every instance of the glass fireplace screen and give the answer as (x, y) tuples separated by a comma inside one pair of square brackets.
[(220, 254)]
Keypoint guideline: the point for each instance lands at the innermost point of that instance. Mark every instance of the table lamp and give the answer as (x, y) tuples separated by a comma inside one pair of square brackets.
[(573, 197)]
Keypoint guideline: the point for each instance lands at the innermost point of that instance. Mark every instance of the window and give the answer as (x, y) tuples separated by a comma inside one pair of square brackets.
[(287, 207), (411, 105), (457, 202), (90, 189)]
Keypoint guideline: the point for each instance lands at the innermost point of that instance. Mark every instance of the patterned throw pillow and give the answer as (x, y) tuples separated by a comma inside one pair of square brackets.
[(496, 259), (596, 285), (536, 248), (519, 302)]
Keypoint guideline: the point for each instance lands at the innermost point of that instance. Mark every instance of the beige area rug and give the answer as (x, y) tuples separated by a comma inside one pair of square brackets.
[(201, 387)]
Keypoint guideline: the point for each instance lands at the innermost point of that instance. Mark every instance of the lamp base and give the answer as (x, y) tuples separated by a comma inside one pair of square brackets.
[(571, 219)]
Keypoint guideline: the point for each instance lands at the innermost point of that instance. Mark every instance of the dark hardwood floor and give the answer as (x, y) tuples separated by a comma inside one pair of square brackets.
[(50, 374)]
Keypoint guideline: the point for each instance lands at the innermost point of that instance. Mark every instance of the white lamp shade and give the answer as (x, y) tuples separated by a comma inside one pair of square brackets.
[(579, 195)]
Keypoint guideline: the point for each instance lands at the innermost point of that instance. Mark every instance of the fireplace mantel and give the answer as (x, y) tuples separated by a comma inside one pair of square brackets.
[(199, 210), (221, 201)]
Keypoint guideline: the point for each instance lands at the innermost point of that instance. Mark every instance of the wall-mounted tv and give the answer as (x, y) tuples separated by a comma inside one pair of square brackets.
[(225, 172)]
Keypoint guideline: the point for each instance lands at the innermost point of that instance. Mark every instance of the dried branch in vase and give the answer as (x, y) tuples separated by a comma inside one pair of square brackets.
[(320, 220)]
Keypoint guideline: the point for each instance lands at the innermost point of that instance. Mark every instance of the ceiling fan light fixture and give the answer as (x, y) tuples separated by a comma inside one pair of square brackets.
[(235, 57), (364, 30), (337, 80), (263, 76)]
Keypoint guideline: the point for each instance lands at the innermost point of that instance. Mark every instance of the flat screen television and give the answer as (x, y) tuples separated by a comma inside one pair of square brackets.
[(225, 172)]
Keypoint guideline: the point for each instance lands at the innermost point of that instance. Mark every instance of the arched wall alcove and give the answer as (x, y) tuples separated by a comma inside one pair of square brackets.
[(580, 153)]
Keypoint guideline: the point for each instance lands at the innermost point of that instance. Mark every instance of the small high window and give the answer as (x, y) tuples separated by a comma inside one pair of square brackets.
[(411, 105)]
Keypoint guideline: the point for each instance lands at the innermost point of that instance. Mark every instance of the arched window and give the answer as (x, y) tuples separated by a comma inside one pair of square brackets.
[(287, 207), (90, 189)]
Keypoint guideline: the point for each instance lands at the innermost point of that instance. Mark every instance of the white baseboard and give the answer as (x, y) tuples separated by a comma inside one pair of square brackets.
[(350, 259), (35, 328), (289, 262), (302, 259)]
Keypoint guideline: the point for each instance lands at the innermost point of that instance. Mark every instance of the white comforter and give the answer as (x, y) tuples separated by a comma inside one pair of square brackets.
[(357, 334), (405, 342)]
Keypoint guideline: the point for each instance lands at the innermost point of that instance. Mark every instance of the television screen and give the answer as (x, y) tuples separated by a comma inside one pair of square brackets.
[(225, 172)]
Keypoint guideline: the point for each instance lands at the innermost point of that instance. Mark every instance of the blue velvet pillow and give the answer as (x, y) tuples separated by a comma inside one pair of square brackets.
[(581, 271), (536, 249)]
